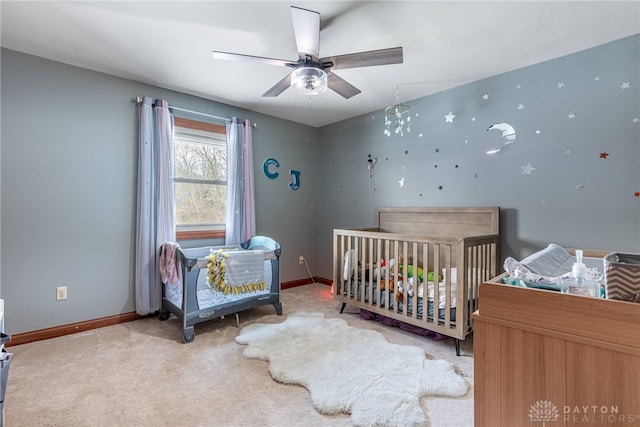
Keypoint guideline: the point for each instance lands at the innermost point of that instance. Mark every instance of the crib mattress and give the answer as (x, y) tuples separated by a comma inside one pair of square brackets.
[(388, 300)]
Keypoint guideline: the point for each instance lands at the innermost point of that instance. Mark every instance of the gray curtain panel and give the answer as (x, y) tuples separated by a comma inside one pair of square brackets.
[(155, 212), (240, 216)]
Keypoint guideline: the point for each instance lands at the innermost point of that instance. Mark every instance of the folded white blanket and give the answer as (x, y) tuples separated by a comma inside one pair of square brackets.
[(244, 268), (236, 271)]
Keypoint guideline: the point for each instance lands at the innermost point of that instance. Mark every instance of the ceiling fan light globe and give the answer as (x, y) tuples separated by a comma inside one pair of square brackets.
[(309, 81)]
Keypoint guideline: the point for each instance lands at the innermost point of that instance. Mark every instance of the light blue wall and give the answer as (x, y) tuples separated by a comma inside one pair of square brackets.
[(68, 168), (68, 177), (573, 197)]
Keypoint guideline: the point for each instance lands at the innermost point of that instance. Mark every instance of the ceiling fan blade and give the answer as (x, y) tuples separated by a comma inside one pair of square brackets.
[(279, 87), (306, 28), (365, 59), (340, 86), (249, 58)]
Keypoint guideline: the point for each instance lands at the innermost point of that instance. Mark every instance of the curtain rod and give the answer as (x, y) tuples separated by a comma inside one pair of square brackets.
[(139, 100)]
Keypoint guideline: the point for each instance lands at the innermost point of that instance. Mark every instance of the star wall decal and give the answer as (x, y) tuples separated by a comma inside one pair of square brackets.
[(571, 116), (625, 85), (560, 85), (449, 117), (401, 182), (440, 187), (604, 155), (538, 132), (635, 120), (636, 194), (520, 107), (596, 79), (485, 96), (527, 169)]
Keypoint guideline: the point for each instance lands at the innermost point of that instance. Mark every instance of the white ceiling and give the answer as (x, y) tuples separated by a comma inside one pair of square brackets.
[(446, 44)]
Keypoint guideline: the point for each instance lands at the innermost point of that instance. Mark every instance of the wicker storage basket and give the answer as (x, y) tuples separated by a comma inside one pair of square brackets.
[(622, 276)]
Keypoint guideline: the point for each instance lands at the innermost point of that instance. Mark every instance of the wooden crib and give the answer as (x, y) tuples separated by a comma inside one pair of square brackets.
[(452, 250)]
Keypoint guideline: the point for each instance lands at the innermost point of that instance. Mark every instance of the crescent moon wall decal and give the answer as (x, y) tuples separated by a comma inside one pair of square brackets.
[(508, 135)]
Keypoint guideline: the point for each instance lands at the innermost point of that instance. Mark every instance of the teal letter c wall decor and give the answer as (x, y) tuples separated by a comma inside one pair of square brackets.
[(265, 168)]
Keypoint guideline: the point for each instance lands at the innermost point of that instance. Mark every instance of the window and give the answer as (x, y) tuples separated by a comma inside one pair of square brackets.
[(200, 181)]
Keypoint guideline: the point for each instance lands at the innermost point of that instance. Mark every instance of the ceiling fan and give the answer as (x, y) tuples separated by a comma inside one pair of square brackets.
[(311, 74)]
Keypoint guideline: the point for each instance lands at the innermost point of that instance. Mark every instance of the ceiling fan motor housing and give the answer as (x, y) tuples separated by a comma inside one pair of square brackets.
[(309, 80)]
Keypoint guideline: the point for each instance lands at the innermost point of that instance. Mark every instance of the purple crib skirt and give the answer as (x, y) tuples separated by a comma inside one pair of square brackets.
[(367, 315)]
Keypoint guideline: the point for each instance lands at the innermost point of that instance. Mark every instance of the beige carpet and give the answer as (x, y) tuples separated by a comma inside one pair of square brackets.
[(141, 374)]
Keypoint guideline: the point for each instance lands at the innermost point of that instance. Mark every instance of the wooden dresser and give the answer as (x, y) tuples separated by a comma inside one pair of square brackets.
[(547, 359)]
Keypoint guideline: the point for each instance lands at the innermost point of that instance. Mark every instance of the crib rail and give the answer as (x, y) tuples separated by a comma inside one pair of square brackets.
[(380, 272), (202, 261)]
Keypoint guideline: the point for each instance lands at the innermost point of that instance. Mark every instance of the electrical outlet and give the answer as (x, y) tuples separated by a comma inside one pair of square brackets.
[(61, 293), (301, 260)]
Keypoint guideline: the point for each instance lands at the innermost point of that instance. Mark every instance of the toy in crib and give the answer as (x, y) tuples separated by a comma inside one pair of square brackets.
[(431, 277), (383, 270), (383, 275)]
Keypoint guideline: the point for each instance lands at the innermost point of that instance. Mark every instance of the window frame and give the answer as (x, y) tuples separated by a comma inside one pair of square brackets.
[(195, 233)]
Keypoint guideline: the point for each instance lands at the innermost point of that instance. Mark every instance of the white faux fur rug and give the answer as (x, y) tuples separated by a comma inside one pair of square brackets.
[(350, 370)]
